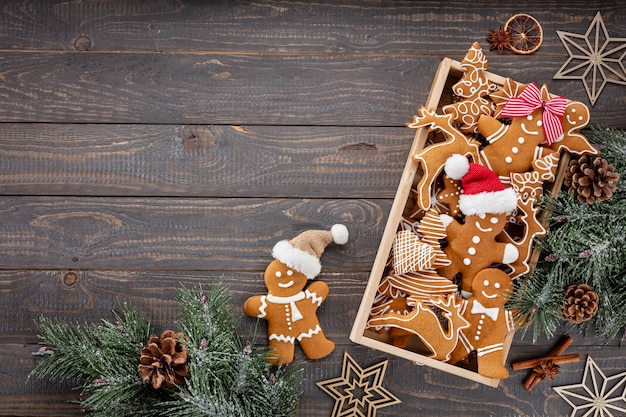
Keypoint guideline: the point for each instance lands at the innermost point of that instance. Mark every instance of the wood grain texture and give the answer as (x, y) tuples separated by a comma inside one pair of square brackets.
[(202, 161), (246, 89), (186, 234), (148, 145), (331, 27)]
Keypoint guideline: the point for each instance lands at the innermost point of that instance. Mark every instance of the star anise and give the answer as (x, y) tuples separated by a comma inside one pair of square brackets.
[(500, 39), (546, 369)]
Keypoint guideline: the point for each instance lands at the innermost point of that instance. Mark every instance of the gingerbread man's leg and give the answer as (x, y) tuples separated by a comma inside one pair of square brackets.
[(281, 352), (491, 361), (315, 345)]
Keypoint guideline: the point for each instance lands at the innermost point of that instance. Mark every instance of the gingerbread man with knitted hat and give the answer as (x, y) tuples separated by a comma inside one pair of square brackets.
[(290, 306), (486, 203)]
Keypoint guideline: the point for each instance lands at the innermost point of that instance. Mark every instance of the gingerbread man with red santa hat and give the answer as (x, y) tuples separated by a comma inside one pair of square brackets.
[(486, 203)]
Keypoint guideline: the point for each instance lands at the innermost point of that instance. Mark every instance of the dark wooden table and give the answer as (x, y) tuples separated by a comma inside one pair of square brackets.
[(148, 144)]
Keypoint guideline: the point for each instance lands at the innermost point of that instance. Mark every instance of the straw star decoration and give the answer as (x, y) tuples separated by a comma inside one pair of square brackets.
[(597, 395), (358, 392), (594, 58)]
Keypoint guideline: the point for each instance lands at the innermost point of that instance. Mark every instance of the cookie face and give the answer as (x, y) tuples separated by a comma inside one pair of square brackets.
[(491, 289), (283, 281)]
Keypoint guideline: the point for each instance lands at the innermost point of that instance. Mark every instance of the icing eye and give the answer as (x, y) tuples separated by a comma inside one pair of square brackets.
[(289, 272), (529, 117), (486, 283), (538, 122), (493, 220), (278, 274), (497, 285), (482, 215)]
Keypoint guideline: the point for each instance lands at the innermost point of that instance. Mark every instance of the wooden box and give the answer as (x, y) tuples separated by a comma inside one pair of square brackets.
[(448, 73)]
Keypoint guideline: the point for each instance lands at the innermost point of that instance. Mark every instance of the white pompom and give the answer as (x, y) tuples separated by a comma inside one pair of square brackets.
[(340, 233), (456, 166)]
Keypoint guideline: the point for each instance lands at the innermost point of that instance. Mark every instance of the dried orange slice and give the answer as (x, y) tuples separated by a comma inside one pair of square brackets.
[(526, 33)]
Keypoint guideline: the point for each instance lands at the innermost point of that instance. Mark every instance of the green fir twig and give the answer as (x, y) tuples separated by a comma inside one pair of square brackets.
[(227, 376), (586, 244)]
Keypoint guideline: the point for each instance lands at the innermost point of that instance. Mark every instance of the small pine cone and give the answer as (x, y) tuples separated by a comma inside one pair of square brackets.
[(164, 361), (591, 179), (581, 303)]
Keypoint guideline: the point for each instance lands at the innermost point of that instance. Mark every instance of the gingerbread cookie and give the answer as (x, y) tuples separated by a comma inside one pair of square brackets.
[(472, 89), (575, 117), (530, 227), (410, 253), (486, 204), (489, 323), (440, 339), (433, 157), (290, 306)]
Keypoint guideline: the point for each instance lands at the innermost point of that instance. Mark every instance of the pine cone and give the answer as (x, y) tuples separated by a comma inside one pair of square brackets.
[(164, 361), (591, 180), (581, 303)]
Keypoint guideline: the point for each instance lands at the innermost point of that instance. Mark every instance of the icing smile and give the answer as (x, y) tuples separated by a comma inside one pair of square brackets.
[(286, 284), (487, 230), (528, 131), (488, 296)]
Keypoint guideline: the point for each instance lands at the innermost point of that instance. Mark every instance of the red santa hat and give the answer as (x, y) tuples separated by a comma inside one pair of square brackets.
[(483, 192), (304, 251)]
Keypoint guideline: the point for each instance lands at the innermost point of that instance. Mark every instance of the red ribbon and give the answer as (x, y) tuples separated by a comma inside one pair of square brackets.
[(529, 101)]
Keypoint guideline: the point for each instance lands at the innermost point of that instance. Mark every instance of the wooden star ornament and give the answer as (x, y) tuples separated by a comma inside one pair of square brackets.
[(594, 58), (597, 395), (358, 392)]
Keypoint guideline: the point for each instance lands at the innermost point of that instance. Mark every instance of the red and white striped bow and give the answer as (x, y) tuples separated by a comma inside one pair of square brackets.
[(530, 100)]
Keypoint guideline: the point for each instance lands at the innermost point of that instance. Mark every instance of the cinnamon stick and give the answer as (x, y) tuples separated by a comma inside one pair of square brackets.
[(533, 379), (557, 360)]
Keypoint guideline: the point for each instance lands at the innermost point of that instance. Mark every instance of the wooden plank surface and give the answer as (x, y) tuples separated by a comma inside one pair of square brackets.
[(202, 161), (279, 26), (186, 234), (246, 89), (148, 145)]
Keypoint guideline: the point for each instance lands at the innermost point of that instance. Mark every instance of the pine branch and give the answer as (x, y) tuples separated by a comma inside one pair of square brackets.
[(586, 244), (226, 377)]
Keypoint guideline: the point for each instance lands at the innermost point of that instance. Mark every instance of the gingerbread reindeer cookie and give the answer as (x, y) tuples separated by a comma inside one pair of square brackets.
[(290, 305)]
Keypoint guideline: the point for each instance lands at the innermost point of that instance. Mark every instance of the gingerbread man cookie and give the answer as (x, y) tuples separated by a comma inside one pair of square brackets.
[(290, 306), (486, 204), (489, 323)]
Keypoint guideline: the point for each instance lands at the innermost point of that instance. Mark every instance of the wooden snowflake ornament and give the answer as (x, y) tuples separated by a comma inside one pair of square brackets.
[(597, 395), (594, 58), (358, 392)]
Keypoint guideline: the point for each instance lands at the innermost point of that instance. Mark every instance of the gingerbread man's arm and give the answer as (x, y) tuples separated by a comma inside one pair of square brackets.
[(506, 252), (319, 288), (252, 306), (453, 227)]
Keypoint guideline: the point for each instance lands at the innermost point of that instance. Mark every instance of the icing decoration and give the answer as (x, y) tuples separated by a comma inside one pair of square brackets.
[(410, 254)]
